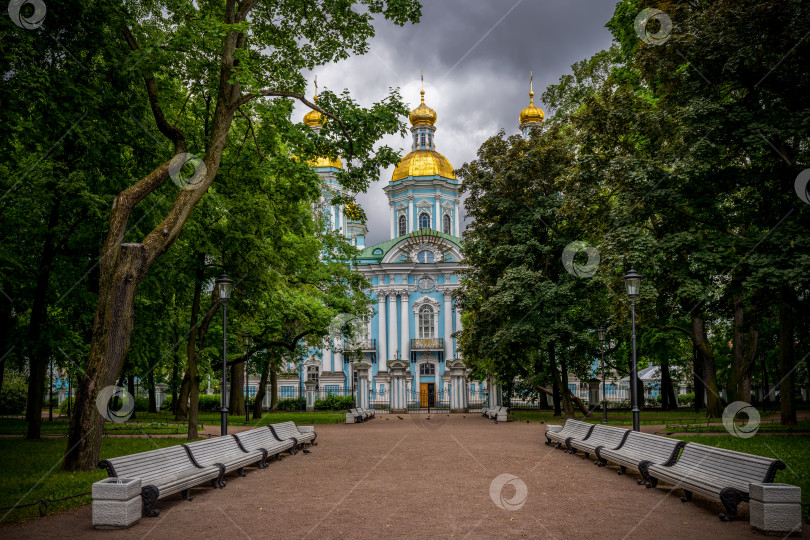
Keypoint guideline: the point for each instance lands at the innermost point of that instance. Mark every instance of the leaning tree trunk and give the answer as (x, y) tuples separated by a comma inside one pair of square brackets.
[(237, 393), (787, 365), (262, 390), (273, 388)]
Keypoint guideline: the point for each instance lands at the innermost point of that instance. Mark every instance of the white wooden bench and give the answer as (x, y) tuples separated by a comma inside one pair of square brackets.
[(715, 473), (262, 439), (367, 412), (225, 451), (359, 413), (601, 436), (639, 450), (354, 417), (285, 431), (571, 429), (499, 414), (163, 472)]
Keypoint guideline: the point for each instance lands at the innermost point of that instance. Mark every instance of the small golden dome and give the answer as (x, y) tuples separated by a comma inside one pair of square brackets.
[(423, 163), (531, 113), (423, 115), (353, 212), (326, 162), (314, 118)]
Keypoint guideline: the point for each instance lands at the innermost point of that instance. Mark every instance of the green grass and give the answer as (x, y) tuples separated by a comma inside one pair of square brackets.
[(792, 449), (31, 471), (618, 417), (765, 426)]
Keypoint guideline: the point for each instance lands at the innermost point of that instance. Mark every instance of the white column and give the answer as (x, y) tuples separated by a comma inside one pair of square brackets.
[(393, 220), (448, 326), (325, 359), (337, 359), (410, 213), (456, 206), (458, 327), (382, 355), (392, 320), (438, 214), (405, 323)]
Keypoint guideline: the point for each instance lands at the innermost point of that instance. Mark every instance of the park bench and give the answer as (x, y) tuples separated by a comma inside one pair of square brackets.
[(359, 412), (715, 473), (163, 472), (285, 431), (354, 417), (224, 451), (485, 411), (601, 436), (638, 450), (262, 439), (367, 412), (571, 429), (499, 414)]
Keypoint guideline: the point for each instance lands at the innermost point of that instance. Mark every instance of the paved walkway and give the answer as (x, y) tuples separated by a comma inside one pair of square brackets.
[(420, 478)]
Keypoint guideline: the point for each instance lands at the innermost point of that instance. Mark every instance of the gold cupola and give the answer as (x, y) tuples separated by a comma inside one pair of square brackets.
[(531, 114), (423, 115), (316, 120)]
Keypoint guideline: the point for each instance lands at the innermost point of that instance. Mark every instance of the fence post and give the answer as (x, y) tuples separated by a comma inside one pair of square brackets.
[(396, 397), (362, 384), (310, 395), (458, 386)]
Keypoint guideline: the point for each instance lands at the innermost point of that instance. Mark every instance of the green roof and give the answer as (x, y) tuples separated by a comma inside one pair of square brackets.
[(367, 255)]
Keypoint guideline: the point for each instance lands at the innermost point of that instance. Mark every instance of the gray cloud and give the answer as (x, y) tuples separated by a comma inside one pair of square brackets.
[(476, 86)]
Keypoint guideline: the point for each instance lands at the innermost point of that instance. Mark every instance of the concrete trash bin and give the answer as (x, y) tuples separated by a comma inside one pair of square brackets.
[(775, 508), (116, 503)]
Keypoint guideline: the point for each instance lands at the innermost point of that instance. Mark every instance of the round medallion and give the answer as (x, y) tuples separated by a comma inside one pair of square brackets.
[(425, 284)]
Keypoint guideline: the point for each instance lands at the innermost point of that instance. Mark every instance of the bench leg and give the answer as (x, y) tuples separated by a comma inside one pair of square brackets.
[(149, 495), (304, 448), (278, 456), (241, 472), (587, 455), (687, 496), (185, 495), (215, 483), (731, 497), (646, 479), (622, 470), (557, 446), (548, 441)]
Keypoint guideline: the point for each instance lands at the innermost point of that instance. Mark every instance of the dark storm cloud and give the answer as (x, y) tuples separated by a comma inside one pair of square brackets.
[(476, 55)]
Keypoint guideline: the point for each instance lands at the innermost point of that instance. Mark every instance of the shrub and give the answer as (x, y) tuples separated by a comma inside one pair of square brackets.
[(334, 403), (14, 394), (291, 404), (686, 400), (63, 408), (167, 404), (209, 402)]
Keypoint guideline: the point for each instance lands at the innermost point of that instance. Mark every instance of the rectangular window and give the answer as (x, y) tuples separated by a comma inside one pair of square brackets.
[(332, 389), (287, 392)]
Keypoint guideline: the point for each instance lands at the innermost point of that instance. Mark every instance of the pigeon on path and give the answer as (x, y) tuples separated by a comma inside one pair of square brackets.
[(399, 417)]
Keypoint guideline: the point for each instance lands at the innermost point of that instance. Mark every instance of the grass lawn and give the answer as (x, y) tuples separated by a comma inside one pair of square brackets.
[(792, 449), (621, 417), (31, 471)]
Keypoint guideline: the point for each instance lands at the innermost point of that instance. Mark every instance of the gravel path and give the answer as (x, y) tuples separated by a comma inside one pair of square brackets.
[(420, 478)]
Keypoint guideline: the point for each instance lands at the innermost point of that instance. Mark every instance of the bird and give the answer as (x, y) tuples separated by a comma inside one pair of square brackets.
[(400, 417), (428, 418), (463, 416), (386, 419)]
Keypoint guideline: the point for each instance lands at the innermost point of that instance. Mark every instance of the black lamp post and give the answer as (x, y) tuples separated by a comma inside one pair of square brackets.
[(632, 280), (248, 342), (601, 333), (224, 286)]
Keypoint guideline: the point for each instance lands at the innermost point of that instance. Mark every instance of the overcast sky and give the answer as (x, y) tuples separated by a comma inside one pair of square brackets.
[(476, 55)]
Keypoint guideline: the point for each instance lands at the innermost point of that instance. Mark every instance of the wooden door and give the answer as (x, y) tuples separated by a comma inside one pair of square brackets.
[(423, 394)]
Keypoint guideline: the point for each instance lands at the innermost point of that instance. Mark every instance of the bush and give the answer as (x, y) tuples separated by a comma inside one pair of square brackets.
[(14, 394), (686, 400), (291, 404), (167, 404), (63, 408), (334, 403), (209, 402)]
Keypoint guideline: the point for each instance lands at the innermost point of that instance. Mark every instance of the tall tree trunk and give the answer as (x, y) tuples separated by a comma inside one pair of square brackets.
[(39, 351), (273, 387), (697, 378), (562, 381), (714, 404), (787, 362), (744, 348), (131, 388), (181, 413), (669, 400), (237, 393), (150, 381), (262, 390)]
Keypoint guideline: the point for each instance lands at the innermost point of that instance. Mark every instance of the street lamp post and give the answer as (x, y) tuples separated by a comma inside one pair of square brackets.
[(632, 281), (601, 333), (224, 286), (248, 342)]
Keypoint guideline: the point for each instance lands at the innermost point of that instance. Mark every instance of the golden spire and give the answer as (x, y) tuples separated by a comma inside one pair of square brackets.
[(314, 118), (531, 114), (423, 115)]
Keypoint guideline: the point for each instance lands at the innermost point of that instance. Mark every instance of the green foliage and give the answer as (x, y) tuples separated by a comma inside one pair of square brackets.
[(686, 400), (63, 408), (291, 404), (14, 393), (334, 402)]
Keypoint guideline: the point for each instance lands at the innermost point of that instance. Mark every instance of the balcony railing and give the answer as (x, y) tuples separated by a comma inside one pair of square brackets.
[(368, 344), (427, 344)]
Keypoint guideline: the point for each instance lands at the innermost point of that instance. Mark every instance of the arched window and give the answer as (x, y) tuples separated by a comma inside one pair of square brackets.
[(425, 257), (403, 223), (446, 224), (424, 220), (426, 322)]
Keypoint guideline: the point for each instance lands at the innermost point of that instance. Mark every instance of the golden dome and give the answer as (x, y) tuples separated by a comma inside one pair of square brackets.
[(326, 162), (423, 115), (531, 113), (353, 212), (314, 118), (423, 163)]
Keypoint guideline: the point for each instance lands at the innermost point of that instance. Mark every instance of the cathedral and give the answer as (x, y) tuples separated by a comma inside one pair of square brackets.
[(410, 359)]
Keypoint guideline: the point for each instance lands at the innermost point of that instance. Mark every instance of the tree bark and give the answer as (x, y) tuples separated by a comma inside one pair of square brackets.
[(181, 413), (237, 392), (131, 388), (714, 404), (262, 390), (697, 377), (744, 347), (669, 400), (787, 362), (39, 351), (273, 387), (150, 381)]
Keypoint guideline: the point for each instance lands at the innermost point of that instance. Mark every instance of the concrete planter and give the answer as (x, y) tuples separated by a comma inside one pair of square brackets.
[(776, 508), (116, 503)]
